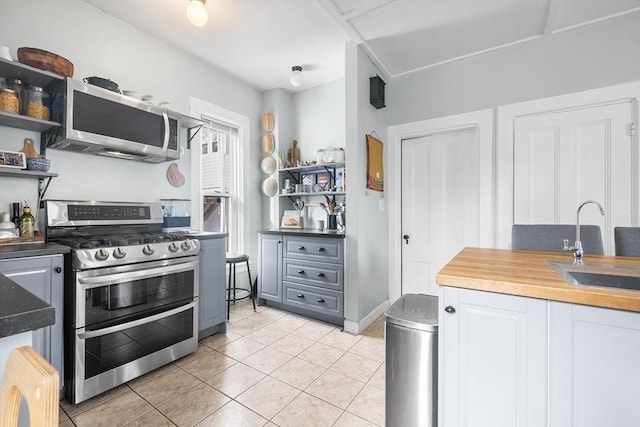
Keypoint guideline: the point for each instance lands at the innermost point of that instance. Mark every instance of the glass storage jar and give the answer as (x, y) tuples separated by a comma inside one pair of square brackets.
[(37, 103), (9, 102), (19, 88)]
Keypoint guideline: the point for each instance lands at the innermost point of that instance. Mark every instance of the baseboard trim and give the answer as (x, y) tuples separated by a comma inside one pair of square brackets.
[(358, 327)]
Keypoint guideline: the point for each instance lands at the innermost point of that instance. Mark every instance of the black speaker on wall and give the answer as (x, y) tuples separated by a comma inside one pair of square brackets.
[(376, 92)]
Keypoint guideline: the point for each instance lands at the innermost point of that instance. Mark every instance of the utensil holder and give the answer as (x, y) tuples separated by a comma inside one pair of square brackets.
[(332, 222)]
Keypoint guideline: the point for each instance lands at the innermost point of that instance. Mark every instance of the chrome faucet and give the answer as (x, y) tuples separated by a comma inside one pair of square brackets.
[(578, 253)]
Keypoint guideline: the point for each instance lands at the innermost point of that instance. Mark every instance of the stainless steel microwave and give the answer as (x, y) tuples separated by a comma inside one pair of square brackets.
[(98, 121)]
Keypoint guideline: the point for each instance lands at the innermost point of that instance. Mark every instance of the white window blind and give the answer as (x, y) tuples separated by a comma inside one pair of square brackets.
[(218, 143)]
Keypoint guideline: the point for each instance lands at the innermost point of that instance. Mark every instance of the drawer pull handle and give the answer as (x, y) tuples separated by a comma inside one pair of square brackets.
[(320, 274), (300, 296), (300, 271), (301, 248), (320, 300), (321, 249)]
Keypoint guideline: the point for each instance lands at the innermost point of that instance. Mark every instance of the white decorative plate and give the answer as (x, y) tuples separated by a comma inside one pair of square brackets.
[(268, 165), (268, 144), (270, 187)]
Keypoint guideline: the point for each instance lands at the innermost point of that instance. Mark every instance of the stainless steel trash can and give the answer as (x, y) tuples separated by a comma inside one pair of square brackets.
[(411, 340)]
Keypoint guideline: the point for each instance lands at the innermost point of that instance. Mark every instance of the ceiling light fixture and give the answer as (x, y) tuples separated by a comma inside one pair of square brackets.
[(197, 13), (296, 76)]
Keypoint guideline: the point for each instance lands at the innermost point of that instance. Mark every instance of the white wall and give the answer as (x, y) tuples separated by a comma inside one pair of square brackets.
[(100, 45), (598, 55), (279, 103), (367, 237), (319, 118)]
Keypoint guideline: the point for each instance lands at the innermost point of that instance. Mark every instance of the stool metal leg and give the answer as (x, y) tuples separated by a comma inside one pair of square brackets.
[(229, 293), (253, 299), (234, 283)]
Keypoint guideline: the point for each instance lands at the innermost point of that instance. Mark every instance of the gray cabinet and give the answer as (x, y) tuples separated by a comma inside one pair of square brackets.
[(211, 298), (303, 274), (270, 267), (43, 277)]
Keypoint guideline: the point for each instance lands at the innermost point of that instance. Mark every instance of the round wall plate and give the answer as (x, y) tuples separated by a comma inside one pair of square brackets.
[(268, 165), (268, 144), (267, 122), (270, 187)]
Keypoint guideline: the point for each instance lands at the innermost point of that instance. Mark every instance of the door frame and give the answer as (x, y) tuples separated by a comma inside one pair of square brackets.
[(482, 120), (505, 134)]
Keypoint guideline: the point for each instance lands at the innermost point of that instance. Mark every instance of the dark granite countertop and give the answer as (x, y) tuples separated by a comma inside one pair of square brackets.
[(306, 232), (32, 249), (20, 310)]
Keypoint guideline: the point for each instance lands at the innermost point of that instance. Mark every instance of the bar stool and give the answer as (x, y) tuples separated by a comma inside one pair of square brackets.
[(232, 260)]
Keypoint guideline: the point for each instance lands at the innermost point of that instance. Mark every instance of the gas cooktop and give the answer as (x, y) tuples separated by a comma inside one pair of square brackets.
[(114, 240)]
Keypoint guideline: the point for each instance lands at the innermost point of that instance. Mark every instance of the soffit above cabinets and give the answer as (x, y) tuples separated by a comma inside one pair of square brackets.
[(259, 41)]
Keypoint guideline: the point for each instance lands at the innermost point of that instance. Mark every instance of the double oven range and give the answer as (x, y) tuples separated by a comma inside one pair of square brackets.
[(131, 292)]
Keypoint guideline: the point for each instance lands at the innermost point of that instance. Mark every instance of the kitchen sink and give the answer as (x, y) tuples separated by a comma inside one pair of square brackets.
[(602, 275)]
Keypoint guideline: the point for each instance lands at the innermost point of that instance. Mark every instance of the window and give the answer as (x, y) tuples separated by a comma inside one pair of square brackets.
[(219, 161)]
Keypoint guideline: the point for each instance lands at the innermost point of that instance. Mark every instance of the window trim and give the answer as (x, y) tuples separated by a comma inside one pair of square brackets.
[(208, 111)]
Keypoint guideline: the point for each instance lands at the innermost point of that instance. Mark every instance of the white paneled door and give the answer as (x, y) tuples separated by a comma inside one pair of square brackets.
[(446, 199), (564, 158)]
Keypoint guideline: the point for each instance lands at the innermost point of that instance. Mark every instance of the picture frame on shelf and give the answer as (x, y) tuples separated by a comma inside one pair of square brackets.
[(12, 159), (323, 181), (291, 219)]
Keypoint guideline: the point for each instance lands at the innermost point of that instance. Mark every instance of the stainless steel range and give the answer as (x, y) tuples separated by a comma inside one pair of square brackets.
[(130, 292)]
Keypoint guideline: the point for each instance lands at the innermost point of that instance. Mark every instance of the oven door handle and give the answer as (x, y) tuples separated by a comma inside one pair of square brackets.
[(122, 327), (128, 276)]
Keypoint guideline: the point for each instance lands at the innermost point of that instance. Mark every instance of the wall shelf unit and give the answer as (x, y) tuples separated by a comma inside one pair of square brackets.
[(297, 174)]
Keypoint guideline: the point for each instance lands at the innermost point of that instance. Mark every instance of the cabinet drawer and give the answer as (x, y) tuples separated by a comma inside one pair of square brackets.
[(315, 299), (322, 274), (314, 248)]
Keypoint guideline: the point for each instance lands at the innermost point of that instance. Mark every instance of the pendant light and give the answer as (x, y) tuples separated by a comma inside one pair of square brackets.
[(296, 76), (197, 13)]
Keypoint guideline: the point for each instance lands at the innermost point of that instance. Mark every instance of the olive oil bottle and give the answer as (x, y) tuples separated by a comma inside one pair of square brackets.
[(27, 223)]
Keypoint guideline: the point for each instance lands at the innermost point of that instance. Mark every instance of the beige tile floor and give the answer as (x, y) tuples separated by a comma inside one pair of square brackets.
[(271, 368)]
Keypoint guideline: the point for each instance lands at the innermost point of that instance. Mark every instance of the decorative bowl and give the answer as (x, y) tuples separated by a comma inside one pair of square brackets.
[(38, 164), (45, 60)]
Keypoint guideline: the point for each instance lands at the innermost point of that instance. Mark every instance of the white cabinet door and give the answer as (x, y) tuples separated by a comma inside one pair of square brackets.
[(594, 367), (493, 353), (446, 202), (564, 158)]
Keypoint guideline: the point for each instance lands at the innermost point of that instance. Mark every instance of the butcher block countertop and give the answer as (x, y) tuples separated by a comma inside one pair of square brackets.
[(526, 273)]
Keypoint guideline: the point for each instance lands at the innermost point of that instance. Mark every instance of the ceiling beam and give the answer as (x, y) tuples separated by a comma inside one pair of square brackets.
[(353, 34), (368, 7), (552, 16)]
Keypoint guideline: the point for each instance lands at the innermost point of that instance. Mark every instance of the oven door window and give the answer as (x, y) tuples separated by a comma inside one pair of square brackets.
[(125, 301), (112, 349)]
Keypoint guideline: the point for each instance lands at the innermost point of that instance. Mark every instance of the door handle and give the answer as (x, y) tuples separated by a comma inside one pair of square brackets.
[(450, 309), (406, 238)]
